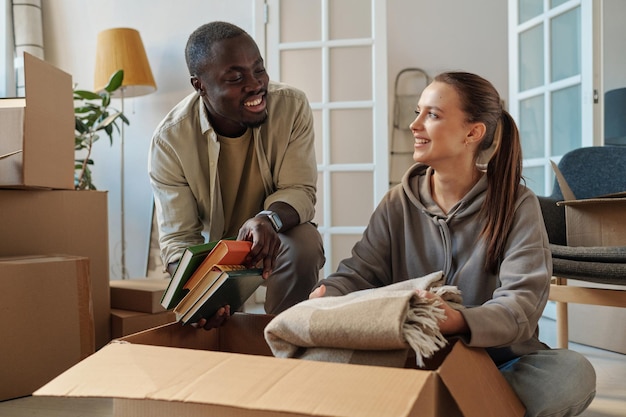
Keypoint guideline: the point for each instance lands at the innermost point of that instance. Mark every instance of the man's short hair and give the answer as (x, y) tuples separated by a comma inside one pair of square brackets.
[(199, 46)]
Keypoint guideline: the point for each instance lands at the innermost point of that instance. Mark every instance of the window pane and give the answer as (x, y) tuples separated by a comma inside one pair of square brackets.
[(565, 45), (555, 3), (360, 13), (342, 248), (535, 179), (566, 120), (350, 85), (300, 20), (531, 58), (303, 67), (529, 8), (350, 135), (351, 197), (531, 125)]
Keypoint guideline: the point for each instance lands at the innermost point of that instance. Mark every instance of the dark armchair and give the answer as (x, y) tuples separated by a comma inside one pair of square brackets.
[(590, 172)]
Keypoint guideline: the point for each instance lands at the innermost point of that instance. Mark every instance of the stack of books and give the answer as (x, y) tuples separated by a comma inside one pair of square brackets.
[(210, 276)]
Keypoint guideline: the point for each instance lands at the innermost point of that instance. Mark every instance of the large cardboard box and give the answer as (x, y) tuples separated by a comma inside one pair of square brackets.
[(138, 294), (46, 320), (595, 221), (181, 371), (62, 221), (126, 322), (37, 135)]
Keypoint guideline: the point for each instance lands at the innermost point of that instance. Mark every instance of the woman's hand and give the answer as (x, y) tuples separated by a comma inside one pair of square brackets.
[(318, 292), (454, 322)]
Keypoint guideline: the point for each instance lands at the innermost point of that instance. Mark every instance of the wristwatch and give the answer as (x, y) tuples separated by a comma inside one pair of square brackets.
[(277, 224)]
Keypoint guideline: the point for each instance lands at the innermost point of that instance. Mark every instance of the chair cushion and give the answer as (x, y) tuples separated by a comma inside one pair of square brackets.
[(611, 254), (598, 272)]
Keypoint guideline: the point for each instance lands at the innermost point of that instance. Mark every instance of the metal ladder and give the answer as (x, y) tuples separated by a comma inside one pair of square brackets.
[(408, 86)]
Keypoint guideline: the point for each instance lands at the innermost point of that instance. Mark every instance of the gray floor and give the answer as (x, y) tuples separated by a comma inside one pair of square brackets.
[(609, 402)]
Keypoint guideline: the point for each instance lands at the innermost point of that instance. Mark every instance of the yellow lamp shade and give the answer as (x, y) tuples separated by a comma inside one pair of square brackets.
[(122, 48)]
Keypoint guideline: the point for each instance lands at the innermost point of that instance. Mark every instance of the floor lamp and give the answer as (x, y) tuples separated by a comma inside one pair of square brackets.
[(122, 48)]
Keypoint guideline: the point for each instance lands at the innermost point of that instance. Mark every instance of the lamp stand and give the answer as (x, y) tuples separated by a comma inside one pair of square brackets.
[(124, 271), (122, 49)]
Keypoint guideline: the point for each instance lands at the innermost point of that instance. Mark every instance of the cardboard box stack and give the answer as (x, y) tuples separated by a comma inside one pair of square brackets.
[(42, 215), (176, 370), (136, 305)]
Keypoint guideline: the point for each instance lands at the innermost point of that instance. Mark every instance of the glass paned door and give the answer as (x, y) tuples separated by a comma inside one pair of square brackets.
[(341, 64), (551, 90)]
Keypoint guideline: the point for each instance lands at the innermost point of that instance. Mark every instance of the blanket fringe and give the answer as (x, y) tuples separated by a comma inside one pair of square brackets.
[(421, 329)]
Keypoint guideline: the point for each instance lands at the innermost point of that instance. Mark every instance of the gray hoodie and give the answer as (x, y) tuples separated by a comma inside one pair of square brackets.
[(409, 236)]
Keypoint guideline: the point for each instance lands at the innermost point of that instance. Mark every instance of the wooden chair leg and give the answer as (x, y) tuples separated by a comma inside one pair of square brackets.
[(562, 324)]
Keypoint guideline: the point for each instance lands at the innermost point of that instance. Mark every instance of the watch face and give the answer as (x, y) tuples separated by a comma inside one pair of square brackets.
[(276, 222), (273, 217)]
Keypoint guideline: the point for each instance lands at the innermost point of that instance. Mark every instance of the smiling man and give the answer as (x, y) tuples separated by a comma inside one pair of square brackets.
[(236, 158)]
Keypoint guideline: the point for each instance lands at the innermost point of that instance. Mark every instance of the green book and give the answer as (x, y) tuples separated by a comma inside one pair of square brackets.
[(189, 262), (226, 285)]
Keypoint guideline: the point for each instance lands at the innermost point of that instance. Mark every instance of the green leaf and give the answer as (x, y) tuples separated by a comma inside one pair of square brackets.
[(107, 121), (80, 126), (115, 81), (86, 95), (92, 114), (84, 109)]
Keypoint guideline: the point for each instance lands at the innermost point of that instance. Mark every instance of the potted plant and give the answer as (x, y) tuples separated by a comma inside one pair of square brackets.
[(93, 115)]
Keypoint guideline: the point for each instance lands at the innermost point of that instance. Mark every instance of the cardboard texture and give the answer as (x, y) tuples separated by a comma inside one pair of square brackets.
[(179, 370), (595, 221), (45, 319), (138, 294), (126, 322), (62, 221), (41, 126)]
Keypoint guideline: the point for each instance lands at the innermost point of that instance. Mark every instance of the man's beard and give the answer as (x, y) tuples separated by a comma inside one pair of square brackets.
[(258, 122)]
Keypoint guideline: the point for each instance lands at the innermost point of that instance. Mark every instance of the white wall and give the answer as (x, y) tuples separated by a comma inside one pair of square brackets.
[(436, 36), (70, 32), (449, 35), (613, 39)]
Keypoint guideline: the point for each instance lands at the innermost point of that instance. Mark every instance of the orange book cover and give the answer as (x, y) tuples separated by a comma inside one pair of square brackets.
[(226, 252)]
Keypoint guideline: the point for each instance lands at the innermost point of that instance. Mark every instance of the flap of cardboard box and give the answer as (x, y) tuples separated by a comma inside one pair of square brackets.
[(170, 380), (610, 199), (243, 382), (43, 130), (476, 398), (565, 190)]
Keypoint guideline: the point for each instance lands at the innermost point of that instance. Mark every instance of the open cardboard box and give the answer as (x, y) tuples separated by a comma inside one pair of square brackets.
[(37, 135), (176, 370), (595, 221)]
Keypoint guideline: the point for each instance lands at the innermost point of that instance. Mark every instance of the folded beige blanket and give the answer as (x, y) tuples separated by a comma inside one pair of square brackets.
[(374, 326)]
